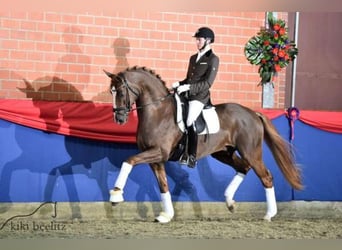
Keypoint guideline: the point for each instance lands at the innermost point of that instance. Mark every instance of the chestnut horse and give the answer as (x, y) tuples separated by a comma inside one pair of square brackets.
[(238, 143)]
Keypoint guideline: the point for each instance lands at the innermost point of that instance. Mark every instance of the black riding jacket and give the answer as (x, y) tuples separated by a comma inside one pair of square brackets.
[(201, 76)]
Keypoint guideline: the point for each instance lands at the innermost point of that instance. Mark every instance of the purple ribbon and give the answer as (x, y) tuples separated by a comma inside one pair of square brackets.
[(292, 114)]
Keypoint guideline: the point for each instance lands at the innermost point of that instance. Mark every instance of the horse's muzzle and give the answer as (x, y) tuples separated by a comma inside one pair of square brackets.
[(120, 118)]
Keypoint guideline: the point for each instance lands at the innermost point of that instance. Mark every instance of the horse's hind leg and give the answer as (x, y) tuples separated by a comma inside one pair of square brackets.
[(229, 157), (168, 212), (266, 179)]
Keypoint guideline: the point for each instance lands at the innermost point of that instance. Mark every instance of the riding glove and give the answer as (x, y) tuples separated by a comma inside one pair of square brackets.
[(175, 85), (183, 88)]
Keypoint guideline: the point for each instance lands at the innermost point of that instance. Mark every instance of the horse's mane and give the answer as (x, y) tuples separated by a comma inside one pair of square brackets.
[(147, 70)]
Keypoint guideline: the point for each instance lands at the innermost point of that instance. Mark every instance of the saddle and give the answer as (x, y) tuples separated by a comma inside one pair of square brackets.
[(206, 123)]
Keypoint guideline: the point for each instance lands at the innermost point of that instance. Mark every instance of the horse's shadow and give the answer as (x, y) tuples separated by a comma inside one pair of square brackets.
[(83, 158), (214, 182), (94, 160), (81, 154), (91, 155)]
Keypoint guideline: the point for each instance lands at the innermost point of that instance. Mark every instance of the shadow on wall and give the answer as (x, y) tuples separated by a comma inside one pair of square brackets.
[(51, 167), (81, 157), (121, 48)]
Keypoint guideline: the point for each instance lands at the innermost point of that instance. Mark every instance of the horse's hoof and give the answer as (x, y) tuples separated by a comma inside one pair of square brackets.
[(114, 203), (231, 206), (268, 217), (116, 197), (163, 218)]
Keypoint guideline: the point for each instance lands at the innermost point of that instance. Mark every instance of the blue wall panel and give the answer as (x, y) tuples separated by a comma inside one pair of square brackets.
[(319, 156), (36, 166)]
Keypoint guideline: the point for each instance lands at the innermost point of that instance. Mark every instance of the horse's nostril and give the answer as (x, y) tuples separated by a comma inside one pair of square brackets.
[(119, 119)]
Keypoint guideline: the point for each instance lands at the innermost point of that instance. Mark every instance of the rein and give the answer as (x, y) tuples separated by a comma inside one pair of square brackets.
[(161, 99)]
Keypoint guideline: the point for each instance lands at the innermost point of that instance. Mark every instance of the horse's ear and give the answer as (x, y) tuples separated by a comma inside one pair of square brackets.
[(110, 75), (29, 87)]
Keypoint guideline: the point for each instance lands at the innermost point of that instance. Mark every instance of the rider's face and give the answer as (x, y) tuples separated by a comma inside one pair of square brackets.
[(200, 41)]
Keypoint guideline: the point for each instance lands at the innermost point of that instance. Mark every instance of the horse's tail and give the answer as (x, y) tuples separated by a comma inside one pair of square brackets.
[(282, 153)]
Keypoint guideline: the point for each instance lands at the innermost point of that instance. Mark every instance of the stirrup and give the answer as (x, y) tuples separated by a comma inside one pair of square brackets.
[(184, 159), (192, 161), (188, 160)]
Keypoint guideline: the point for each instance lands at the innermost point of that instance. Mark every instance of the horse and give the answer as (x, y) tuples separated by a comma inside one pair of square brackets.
[(238, 143)]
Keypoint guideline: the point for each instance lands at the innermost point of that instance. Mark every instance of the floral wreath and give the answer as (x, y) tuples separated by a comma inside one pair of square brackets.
[(271, 49)]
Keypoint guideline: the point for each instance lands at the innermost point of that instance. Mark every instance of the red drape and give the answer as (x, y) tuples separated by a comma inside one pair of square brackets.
[(95, 121), (328, 121), (81, 119)]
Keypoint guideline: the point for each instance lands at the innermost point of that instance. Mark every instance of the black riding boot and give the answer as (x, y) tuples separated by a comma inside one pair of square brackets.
[(192, 149), (189, 157)]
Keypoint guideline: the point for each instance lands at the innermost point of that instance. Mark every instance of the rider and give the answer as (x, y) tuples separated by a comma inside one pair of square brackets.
[(201, 74)]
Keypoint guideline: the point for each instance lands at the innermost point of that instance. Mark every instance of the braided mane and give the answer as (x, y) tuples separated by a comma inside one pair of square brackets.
[(147, 70)]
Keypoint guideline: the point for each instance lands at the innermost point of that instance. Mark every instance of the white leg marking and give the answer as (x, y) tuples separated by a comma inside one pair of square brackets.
[(123, 175), (271, 204), (232, 187), (167, 214), (116, 196)]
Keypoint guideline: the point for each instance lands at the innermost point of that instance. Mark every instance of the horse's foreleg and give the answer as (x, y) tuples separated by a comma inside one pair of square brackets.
[(116, 194), (168, 212)]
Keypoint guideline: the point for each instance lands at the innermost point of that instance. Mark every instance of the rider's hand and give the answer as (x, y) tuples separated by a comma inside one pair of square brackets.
[(175, 85), (183, 88)]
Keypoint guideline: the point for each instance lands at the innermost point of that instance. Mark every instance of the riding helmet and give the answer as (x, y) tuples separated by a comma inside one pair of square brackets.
[(205, 32)]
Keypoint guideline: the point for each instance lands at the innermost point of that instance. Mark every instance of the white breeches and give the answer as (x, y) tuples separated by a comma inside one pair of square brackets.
[(195, 109)]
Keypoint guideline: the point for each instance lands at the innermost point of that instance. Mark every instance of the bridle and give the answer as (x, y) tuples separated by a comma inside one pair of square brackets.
[(128, 107)]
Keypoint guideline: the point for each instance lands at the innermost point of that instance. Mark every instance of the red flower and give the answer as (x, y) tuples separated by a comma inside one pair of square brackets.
[(277, 67), (263, 61), (276, 27), (275, 51), (276, 58), (282, 31), (281, 53), (266, 42), (276, 36)]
